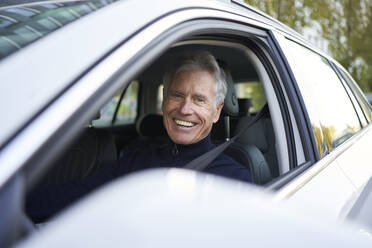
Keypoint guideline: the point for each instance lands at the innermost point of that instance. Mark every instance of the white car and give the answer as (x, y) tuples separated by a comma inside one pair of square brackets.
[(62, 62)]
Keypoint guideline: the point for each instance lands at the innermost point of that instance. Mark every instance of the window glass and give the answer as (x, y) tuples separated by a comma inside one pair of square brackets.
[(363, 104), (26, 33), (50, 6), (253, 91), (7, 46), (356, 105), (20, 11), (4, 22), (107, 112), (17, 24), (330, 110), (159, 101), (127, 112), (48, 24)]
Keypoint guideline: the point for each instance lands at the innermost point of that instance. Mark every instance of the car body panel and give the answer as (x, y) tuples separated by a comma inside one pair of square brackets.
[(168, 217), (358, 168), (59, 100), (329, 194)]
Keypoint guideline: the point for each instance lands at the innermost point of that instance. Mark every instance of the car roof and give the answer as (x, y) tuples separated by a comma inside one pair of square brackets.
[(50, 65)]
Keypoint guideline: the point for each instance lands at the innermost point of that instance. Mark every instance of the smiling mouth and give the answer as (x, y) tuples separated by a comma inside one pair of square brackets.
[(184, 123)]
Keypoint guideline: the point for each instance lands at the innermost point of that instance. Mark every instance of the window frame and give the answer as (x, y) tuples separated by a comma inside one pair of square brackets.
[(356, 92), (121, 74)]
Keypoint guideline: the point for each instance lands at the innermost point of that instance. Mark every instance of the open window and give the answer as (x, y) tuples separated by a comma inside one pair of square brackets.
[(132, 118)]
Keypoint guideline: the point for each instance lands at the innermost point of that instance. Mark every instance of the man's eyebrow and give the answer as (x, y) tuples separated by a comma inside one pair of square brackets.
[(200, 96), (175, 92)]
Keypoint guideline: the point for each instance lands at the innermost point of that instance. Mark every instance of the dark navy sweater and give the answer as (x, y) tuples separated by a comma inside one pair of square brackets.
[(48, 199)]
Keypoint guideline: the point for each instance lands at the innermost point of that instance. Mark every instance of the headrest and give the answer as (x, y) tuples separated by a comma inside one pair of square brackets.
[(231, 106), (244, 105), (151, 125)]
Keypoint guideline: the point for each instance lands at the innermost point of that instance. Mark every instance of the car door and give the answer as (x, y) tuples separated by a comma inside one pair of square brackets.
[(56, 124), (339, 133)]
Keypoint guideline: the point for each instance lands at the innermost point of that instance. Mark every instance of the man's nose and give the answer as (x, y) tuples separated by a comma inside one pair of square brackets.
[(186, 107)]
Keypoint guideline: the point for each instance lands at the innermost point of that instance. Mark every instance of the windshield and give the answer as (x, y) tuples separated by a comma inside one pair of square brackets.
[(21, 25)]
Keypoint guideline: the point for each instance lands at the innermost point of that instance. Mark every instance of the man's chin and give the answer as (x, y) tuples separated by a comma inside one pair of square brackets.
[(182, 140)]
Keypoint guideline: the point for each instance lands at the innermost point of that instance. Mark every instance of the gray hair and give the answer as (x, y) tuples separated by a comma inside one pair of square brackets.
[(200, 60)]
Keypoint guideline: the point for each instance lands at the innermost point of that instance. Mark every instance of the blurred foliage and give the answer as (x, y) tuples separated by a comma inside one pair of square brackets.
[(318, 134), (253, 91), (345, 24), (127, 111)]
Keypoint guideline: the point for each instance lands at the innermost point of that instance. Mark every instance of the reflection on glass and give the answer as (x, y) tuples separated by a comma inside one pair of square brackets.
[(21, 11), (48, 24), (359, 95), (50, 6), (30, 24), (6, 46), (4, 22), (64, 16), (319, 140), (127, 111), (329, 107), (26, 33)]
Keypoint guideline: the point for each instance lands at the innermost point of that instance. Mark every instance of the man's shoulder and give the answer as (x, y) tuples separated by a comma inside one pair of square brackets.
[(226, 166)]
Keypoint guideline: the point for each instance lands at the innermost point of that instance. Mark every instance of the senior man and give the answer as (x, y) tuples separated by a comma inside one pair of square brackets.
[(194, 92)]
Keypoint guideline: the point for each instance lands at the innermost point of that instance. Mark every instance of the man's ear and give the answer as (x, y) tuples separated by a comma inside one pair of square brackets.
[(164, 100), (218, 112)]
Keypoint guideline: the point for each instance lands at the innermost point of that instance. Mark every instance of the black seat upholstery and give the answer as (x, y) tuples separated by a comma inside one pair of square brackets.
[(94, 149), (261, 134), (151, 125), (244, 151), (151, 131), (250, 156)]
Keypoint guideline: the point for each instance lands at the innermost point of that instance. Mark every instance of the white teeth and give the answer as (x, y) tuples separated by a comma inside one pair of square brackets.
[(184, 123)]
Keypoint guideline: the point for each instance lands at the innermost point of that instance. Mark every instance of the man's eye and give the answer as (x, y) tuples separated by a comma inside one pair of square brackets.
[(200, 99)]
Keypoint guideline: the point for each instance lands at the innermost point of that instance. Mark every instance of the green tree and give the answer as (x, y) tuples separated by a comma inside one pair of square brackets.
[(345, 24), (290, 12)]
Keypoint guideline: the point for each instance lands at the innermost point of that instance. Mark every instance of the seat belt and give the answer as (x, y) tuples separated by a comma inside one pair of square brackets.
[(201, 162)]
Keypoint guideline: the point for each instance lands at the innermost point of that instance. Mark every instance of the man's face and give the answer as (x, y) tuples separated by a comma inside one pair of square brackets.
[(189, 107)]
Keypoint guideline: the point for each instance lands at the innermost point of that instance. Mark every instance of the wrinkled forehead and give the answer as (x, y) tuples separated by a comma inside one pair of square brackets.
[(195, 77), (200, 79)]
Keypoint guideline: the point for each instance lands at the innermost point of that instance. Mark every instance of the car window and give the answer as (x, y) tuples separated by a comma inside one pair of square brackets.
[(252, 91), (363, 103), (125, 107), (159, 100), (330, 110), (356, 105), (20, 26)]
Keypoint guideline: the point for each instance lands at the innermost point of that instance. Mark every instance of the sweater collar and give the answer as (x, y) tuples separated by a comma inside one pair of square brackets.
[(193, 150)]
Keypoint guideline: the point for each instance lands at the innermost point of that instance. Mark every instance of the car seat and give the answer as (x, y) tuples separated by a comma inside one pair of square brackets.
[(94, 149), (243, 150), (261, 134)]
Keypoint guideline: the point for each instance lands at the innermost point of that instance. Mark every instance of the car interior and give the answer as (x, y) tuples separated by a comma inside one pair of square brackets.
[(132, 118)]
